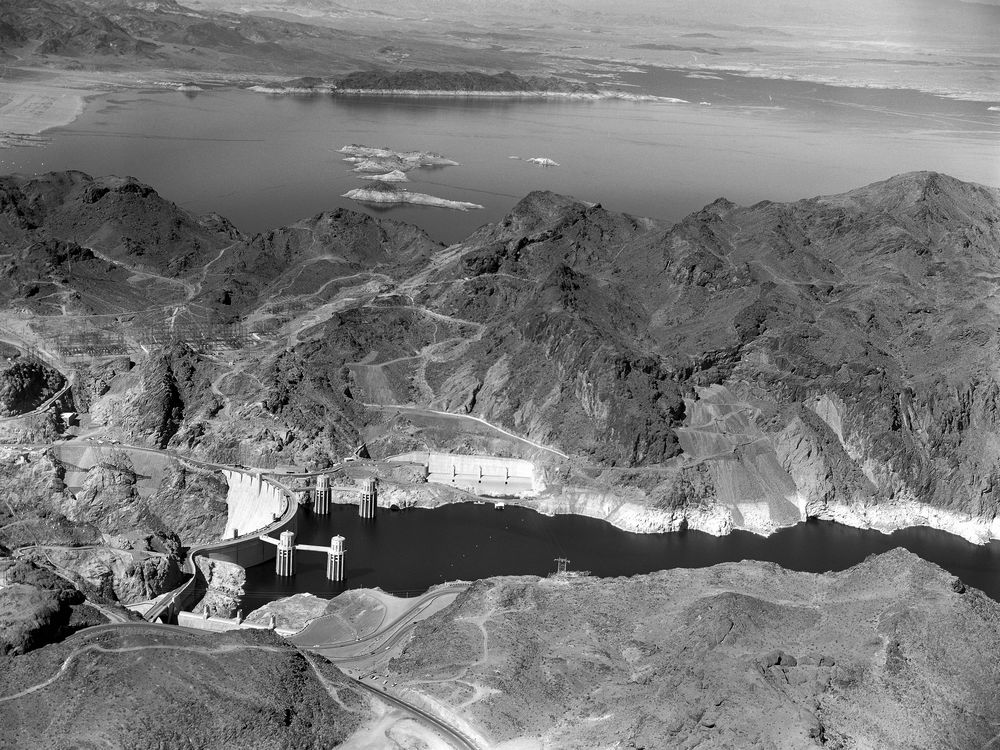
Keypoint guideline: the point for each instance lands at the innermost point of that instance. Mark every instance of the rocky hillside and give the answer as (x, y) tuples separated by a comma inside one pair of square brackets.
[(119, 541), (120, 219), (851, 330), (112, 34), (171, 688), (128, 35), (38, 607), (828, 357), (893, 653), (329, 247), (25, 384)]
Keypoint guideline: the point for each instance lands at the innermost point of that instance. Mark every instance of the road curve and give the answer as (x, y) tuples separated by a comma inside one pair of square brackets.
[(451, 734), (419, 604), (452, 415)]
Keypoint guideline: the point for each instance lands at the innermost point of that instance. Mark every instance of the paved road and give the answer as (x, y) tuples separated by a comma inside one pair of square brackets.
[(451, 734), (117, 627), (468, 417), (420, 604), (390, 635)]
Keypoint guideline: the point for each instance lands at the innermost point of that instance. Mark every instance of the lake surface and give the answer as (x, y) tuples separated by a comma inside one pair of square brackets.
[(411, 550), (265, 161)]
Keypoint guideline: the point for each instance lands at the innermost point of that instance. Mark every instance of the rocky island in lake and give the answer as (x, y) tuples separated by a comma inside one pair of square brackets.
[(383, 192)]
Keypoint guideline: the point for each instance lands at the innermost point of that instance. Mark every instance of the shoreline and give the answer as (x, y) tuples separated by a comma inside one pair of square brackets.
[(465, 94), (28, 110), (639, 518)]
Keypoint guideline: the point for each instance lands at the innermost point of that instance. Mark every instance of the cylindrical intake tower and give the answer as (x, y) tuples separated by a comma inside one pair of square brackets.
[(321, 500), (284, 563), (368, 498), (335, 569)]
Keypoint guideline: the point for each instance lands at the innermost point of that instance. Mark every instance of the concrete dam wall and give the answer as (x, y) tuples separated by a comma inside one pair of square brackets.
[(256, 506), (481, 475), (253, 503)]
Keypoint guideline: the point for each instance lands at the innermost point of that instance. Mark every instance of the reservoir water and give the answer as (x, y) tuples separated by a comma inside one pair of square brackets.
[(265, 161), (408, 551)]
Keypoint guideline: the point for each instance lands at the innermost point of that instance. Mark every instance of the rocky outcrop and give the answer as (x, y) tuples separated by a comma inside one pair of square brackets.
[(36, 607), (190, 503), (33, 429), (125, 576), (93, 380), (332, 244), (32, 493), (25, 384), (115, 505), (109, 499), (224, 581), (29, 618), (163, 400), (381, 192)]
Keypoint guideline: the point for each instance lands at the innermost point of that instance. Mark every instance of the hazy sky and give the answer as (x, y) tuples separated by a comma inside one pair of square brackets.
[(943, 46)]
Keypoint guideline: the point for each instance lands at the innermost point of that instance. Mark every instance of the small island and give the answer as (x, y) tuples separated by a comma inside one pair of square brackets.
[(385, 193), (380, 160), (395, 175)]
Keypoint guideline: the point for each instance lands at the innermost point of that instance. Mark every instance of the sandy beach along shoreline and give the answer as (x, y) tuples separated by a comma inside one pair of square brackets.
[(28, 109)]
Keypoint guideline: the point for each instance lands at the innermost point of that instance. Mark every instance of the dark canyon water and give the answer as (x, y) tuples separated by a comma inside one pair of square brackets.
[(408, 551)]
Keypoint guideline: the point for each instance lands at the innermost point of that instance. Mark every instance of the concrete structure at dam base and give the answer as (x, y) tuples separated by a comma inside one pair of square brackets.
[(488, 476)]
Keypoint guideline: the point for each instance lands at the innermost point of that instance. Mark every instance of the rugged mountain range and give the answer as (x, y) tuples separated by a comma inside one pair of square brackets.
[(110, 35), (778, 360)]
